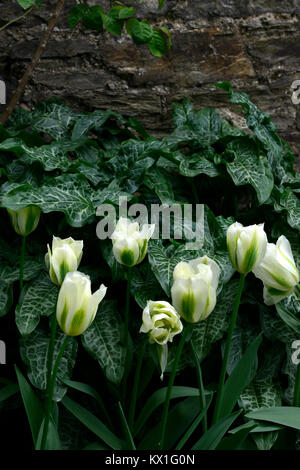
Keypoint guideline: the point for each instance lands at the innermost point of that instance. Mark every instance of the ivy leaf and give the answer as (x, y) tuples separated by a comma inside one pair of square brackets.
[(92, 19), (26, 3), (34, 351), (122, 12), (158, 45), (40, 299), (140, 31), (76, 14), (112, 24), (103, 341)]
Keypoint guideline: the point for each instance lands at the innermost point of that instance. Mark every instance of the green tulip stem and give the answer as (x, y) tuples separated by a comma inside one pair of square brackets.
[(164, 420), (126, 326), (297, 388), (227, 348), (200, 386), (22, 255), (50, 391), (136, 383)]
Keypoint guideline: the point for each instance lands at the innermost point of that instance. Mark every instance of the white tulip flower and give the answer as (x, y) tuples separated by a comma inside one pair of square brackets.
[(26, 220), (277, 271), (76, 305), (194, 289), (129, 243), (162, 323), (64, 257), (246, 246)]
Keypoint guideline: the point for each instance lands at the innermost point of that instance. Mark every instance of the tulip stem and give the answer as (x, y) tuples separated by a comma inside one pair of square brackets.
[(164, 420), (126, 325), (297, 388), (200, 386), (50, 391), (22, 262), (227, 349), (136, 383)]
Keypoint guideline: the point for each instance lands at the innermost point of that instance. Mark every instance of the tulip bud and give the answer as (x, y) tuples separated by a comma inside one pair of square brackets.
[(65, 256), (129, 244), (162, 322), (194, 289), (278, 271), (26, 220), (76, 305), (246, 246)]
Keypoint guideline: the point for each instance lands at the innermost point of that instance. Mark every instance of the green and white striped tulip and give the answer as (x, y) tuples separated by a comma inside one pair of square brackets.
[(162, 323), (129, 243), (64, 257), (194, 289), (76, 305), (246, 246), (277, 271), (26, 220)]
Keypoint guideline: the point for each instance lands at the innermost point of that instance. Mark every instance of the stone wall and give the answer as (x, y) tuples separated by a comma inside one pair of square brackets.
[(254, 44)]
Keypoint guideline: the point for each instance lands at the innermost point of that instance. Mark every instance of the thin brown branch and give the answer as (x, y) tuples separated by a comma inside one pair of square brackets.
[(29, 71), (19, 18)]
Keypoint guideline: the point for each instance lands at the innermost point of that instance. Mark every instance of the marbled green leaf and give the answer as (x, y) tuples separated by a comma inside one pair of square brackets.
[(103, 340), (34, 351), (40, 299), (248, 167)]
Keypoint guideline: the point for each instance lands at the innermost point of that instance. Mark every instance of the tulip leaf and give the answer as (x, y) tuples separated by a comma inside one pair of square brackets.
[(285, 415), (213, 436), (180, 418), (235, 441), (249, 167), (88, 390), (52, 438), (239, 377), (92, 423), (34, 352), (8, 390), (40, 299), (32, 405), (103, 340), (158, 398)]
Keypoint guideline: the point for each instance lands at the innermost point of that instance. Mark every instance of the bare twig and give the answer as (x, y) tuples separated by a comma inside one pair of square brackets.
[(29, 71), (17, 19)]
